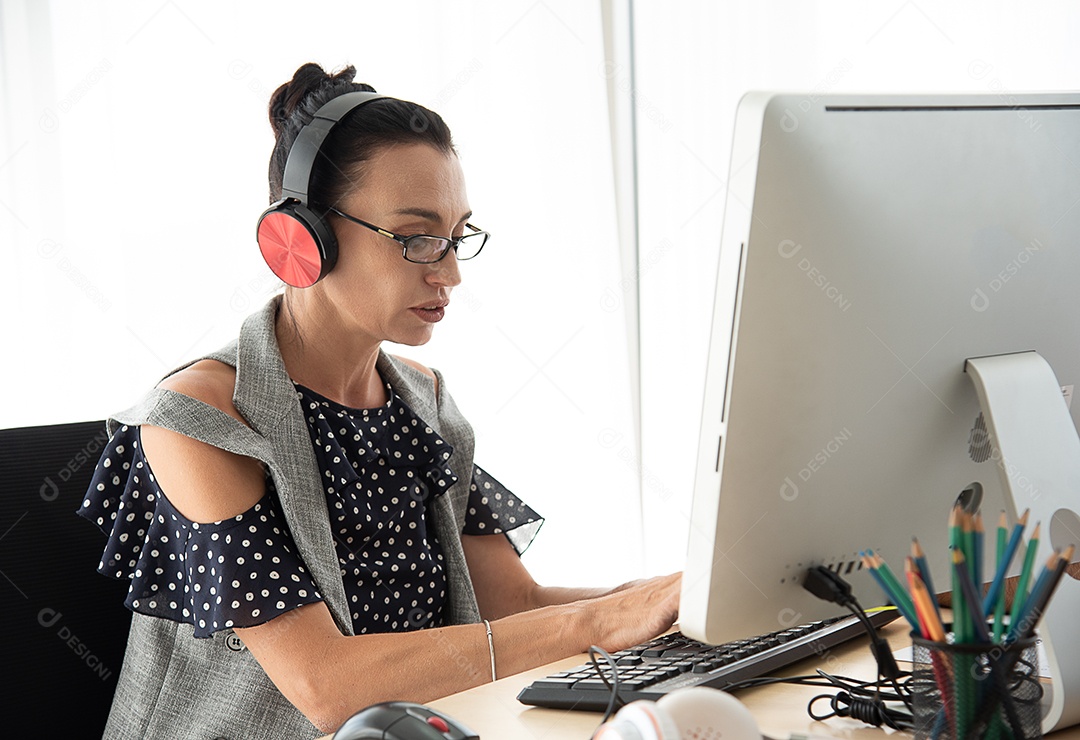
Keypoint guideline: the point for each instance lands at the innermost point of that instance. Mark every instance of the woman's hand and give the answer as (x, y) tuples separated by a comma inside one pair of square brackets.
[(636, 611)]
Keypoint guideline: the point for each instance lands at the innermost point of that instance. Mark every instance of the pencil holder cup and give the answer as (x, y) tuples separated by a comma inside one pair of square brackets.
[(976, 690)]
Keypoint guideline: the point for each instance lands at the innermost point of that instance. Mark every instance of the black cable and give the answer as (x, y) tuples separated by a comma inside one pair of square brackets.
[(819, 679), (872, 709), (613, 685), (862, 700)]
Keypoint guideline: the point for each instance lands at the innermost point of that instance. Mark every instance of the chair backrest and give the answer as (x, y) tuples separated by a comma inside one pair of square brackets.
[(64, 626)]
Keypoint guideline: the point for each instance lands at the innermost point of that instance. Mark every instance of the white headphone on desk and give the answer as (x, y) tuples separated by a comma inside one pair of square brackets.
[(697, 712)]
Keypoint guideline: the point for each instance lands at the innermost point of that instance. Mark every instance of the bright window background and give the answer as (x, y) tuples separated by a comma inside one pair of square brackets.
[(133, 161), (133, 152)]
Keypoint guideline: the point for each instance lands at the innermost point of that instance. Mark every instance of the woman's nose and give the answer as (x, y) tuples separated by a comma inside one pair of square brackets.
[(445, 271)]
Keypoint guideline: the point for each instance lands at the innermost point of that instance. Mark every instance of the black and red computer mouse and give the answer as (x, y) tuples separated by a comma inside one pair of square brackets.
[(402, 720)]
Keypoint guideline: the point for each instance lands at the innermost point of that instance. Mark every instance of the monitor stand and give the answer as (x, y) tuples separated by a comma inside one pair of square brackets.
[(1037, 452)]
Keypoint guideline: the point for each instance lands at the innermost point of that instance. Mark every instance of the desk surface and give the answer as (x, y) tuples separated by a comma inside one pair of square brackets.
[(493, 711)]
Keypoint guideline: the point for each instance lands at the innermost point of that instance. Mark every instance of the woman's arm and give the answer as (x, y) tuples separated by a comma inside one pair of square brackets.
[(329, 676)]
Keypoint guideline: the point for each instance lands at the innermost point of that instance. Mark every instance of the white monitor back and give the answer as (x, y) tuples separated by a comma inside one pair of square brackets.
[(871, 244)]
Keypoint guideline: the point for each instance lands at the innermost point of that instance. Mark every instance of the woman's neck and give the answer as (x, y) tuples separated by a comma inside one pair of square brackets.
[(321, 354)]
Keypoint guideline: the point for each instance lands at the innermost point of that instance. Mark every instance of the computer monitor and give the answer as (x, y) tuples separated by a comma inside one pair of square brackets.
[(872, 245)]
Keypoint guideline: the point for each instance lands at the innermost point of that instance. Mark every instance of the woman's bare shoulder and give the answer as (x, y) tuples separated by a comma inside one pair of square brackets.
[(209, 381), (204, 483)]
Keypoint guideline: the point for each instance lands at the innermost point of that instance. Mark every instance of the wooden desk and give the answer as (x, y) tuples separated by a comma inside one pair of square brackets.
[(493, 711)]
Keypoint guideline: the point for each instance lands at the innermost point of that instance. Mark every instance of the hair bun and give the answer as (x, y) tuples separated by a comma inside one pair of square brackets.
[(307, 80)]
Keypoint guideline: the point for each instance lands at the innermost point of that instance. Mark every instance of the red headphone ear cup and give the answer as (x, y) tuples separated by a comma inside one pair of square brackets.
[(298, 246)]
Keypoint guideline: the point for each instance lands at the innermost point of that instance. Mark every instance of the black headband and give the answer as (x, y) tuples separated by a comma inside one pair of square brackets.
[(302, 154)]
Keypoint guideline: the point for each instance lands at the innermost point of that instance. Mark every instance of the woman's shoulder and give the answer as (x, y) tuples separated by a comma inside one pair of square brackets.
[(204, 483), (209, 381)]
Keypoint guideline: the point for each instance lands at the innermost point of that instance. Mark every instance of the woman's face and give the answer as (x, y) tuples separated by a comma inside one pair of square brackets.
[(406, 189)]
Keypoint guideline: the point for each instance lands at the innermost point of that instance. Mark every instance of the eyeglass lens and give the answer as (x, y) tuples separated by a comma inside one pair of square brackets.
[(430, 249)]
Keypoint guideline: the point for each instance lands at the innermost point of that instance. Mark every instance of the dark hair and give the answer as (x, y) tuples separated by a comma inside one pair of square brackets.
[(356, 137)]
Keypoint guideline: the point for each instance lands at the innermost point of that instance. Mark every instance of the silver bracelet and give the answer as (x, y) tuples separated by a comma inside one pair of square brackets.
[(491, 648)]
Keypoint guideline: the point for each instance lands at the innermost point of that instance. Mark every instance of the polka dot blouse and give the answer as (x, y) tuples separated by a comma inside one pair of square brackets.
[(381, 470)]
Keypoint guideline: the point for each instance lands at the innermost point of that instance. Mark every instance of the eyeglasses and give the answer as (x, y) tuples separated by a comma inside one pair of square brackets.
[(424, 249)]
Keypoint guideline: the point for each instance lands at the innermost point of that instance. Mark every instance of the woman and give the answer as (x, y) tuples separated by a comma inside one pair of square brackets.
[(299, 514)]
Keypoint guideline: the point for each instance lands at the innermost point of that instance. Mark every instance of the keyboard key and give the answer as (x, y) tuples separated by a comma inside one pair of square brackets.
[(554, 683)]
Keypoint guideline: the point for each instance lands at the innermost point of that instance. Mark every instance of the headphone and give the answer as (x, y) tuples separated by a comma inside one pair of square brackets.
[(697, 712), (296, 242)]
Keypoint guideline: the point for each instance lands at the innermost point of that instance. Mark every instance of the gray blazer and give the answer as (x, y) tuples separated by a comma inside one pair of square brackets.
[(173, 685)]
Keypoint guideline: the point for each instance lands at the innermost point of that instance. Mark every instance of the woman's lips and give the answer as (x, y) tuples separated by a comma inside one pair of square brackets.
[(432, 314)]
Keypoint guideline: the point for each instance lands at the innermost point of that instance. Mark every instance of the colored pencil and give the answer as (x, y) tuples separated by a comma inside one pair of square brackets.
[(967, 527), (923, 569), (1023, 623), (976, 564), (1025, 575), (962, 690), (968, 592), (998, 584), (1044, 587), (956, 544), (902, 599), (933, 629), (893, 591)]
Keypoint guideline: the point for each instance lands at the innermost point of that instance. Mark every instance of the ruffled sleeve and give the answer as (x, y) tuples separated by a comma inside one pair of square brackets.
[(493, 509), (238, 572)]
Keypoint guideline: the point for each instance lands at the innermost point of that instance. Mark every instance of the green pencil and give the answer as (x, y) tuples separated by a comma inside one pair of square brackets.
[(999, 606), (1025, 575), (902, 598), (956, 543)]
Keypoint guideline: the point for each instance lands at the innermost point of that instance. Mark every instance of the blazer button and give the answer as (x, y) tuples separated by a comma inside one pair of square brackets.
[(234, 643)]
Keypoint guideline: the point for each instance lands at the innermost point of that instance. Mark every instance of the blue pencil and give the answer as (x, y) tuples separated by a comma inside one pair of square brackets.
[(1033, 607), (998, 583), (923, 568)]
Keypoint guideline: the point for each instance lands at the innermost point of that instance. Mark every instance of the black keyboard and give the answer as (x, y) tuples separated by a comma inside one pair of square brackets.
[(674, 661)]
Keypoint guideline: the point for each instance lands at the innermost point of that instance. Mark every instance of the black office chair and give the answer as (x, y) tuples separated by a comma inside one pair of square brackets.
[(64, 626)]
